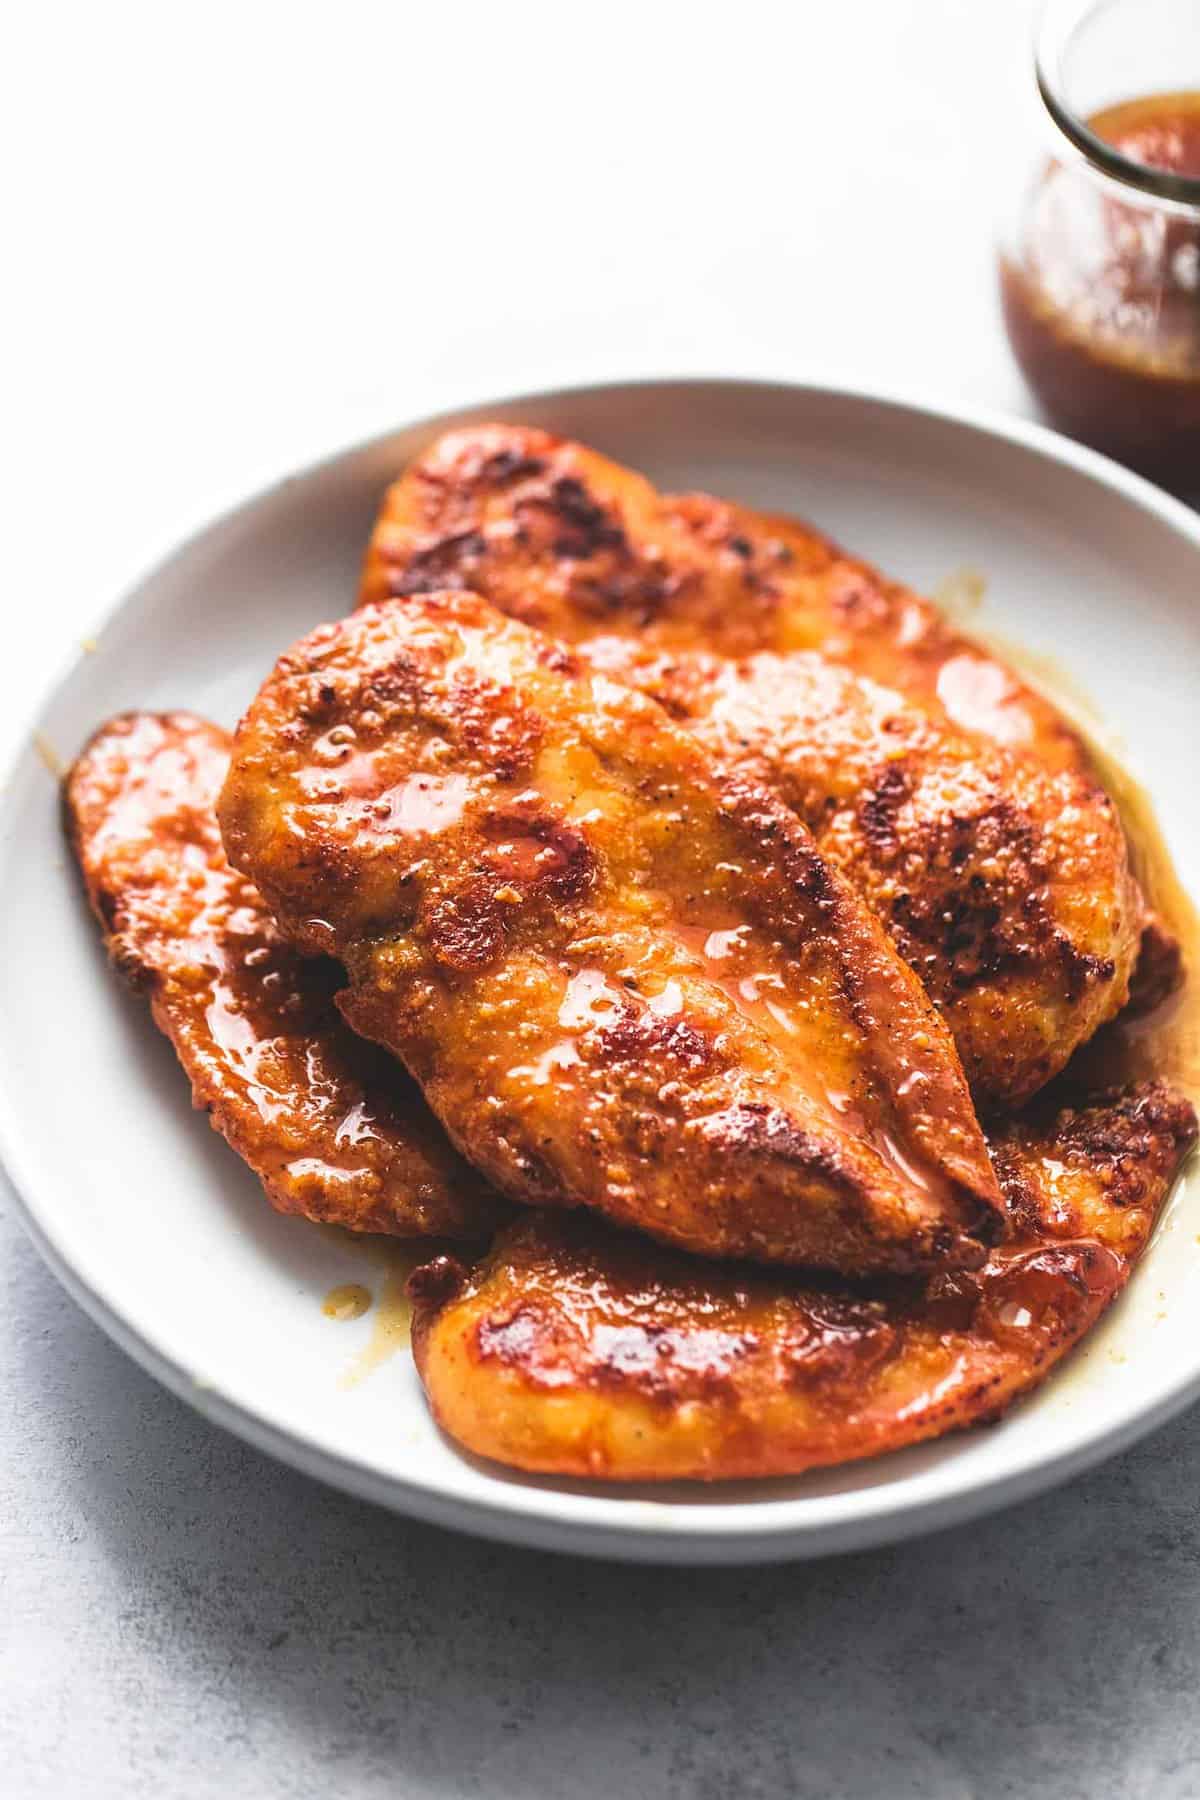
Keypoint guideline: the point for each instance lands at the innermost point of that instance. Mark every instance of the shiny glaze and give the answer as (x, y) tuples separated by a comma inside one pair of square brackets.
[(534, 960), (334, 1129), (733, 959), (575, 1350), (1102, 303), (955, 798)]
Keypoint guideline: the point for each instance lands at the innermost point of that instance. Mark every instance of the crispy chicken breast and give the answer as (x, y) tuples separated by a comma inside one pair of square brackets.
[(332, 1126), (624, 979), (577, 1350), (953, 797)]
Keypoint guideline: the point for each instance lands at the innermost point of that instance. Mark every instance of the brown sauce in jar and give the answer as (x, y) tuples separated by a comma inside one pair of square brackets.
[(1102, 301)]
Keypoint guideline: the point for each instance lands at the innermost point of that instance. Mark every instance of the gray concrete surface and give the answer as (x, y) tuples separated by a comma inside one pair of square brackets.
[(179, 1616)]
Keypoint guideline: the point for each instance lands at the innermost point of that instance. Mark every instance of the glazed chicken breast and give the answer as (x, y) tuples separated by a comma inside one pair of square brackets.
[(556, 535), (954, 798), (334, 1128), (624, 978), (1010, 898), (581, 1351)]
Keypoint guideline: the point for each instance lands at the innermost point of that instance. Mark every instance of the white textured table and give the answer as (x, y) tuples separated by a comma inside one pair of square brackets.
[(246, 234)]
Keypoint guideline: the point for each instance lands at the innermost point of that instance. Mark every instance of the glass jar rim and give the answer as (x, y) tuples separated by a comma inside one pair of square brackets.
[(1057, 24)]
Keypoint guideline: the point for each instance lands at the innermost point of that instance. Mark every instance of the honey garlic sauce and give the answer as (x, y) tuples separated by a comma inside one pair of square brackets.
[(385, 1298), (1102, 302), (392, 1323), (747, 972), (350, 1300)]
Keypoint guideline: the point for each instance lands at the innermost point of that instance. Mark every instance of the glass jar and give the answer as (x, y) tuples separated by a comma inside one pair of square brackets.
[(1100, 278)]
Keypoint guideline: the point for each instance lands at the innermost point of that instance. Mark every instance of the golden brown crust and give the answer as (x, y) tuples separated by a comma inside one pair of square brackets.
[(334, 1129), (623, 980), (1003, 878), (575, 1350)]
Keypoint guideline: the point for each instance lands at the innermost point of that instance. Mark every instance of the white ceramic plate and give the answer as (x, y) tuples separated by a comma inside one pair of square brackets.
[(157, 1229)]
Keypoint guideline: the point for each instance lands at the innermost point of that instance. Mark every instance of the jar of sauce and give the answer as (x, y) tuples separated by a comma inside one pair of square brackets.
[(1100, 281)]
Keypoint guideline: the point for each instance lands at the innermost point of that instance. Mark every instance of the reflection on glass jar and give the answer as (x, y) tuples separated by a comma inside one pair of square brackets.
[(1100, 281)]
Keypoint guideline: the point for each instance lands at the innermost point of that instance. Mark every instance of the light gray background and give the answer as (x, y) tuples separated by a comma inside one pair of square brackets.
[(247, 234)]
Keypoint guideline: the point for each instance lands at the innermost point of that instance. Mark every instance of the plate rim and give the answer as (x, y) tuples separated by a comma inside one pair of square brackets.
[(692, 1534)]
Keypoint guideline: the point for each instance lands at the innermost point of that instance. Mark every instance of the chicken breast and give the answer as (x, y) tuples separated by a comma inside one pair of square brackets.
[(623, 979), (333, 1128), (576, 1350), (564, 539), (1002, 877), (1008, 894)]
